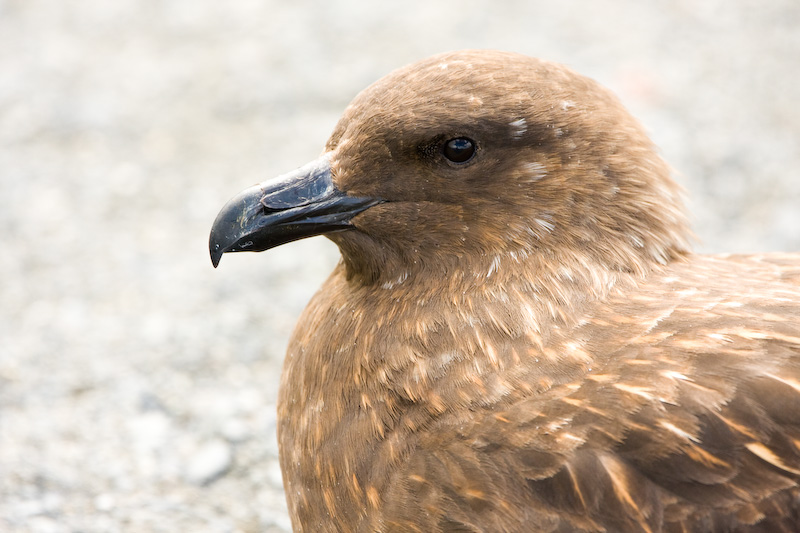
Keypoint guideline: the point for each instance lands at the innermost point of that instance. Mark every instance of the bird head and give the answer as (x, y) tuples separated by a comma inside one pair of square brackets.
[(473, 155)]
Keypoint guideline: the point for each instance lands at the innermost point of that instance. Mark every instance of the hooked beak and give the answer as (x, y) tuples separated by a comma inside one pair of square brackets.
[(296, 205)]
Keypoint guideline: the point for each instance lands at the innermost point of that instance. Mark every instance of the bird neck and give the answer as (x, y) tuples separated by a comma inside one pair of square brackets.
[(474, 314)]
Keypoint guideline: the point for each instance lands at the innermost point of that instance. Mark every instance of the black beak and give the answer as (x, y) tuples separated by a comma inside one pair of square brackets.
[(300, 204)]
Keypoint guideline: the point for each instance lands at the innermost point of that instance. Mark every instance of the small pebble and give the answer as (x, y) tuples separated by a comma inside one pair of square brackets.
[(211, 461)]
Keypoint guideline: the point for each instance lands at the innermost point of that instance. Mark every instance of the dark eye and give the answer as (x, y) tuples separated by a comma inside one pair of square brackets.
[(459, 150)]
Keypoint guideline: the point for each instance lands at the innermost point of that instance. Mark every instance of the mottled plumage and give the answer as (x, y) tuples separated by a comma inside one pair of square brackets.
[(522, 341)]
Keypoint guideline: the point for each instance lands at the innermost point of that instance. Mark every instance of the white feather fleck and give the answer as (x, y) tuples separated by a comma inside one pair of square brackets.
[(678, 431), (532, 171), (545, 225), (687, 293), (637, 242), (719, 337), (391, 284), (570, 436), (518, 127), (644, 392), (675, 375), (494, 266)]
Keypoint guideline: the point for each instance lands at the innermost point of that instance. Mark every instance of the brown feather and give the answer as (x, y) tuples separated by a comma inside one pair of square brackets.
[(525, 343)]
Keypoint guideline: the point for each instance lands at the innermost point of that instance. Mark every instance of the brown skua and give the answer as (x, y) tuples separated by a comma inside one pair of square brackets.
[(518, 337)]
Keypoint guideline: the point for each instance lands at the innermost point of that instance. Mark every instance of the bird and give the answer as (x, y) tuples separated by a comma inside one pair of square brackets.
[(518, 336)]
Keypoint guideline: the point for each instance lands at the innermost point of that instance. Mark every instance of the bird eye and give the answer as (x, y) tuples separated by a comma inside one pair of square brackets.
[(459, 150)]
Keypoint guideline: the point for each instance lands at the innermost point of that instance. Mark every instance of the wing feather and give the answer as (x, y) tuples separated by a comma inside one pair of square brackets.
[(688, 420)]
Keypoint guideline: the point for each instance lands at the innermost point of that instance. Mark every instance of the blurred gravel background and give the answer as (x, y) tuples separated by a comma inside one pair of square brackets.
[(137, 384)]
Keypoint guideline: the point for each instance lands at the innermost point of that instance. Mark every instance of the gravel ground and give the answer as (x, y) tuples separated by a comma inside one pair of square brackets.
[(137, 384)]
